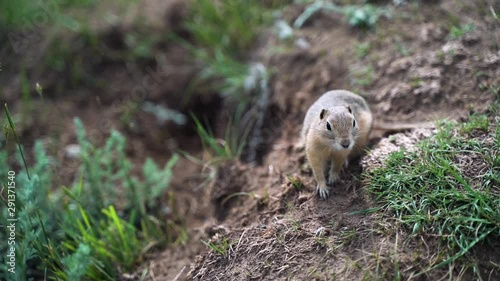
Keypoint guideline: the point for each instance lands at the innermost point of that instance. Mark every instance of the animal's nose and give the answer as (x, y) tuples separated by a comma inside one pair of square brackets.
[(345, 143)]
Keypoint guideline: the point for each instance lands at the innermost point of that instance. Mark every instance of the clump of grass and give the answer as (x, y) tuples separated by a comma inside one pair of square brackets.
[(362, 76), (362, 49), (140, 45), (222, 73), (457, 31), (296, 181), (231, 147), (219, 244), (401, 47), (476, 122), (415, 82), (430, 193), (226, 24), (112, 240)]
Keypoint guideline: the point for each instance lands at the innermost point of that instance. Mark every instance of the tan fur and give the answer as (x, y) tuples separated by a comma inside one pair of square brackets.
[(339, 109)]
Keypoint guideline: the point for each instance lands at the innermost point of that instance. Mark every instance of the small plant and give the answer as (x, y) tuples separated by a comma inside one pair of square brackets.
[(362, 49), (219, 244), (347, 237), (415, 82), (141, 46), (78, 263), (362, 76), (459, 31), (476, 122), (295, 225), (401, 47), (228, 148), (104, 168), (491, 87), (365, 16), (296, 181), (112, 240)]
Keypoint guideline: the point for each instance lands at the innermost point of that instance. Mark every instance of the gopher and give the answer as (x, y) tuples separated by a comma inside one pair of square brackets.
[(335, 128)]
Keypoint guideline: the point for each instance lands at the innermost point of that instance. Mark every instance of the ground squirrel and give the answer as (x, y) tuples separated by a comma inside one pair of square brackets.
[(336, 126)]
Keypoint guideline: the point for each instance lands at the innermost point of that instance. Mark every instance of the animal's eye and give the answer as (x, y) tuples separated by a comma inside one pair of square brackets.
[(328, 126), (353, 123)]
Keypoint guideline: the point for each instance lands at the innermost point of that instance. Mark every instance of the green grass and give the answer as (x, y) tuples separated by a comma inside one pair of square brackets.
[(95, 229), (35, 13), (224, 32), (401, 47), (12, 129), (221, 245), (229, 25), (362, 49), (228, 148), (362, 75), (103, 168), (296, 181), (221, 73), (457, 31), (431, 193), (476, 122)]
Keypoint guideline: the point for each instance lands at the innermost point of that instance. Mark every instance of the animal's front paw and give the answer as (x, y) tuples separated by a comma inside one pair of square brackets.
[(322, 191), (346, 163)]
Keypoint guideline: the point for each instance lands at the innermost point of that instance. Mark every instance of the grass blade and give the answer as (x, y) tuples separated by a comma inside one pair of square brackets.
[(13, 127)]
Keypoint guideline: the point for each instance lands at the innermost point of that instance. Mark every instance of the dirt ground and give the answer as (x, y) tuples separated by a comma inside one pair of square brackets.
[(278, 231)]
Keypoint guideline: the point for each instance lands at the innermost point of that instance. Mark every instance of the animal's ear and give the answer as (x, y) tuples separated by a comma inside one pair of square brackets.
[(349, 108), (322, 114)]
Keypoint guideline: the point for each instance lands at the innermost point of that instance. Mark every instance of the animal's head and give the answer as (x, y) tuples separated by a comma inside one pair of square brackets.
[(338, 127)]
